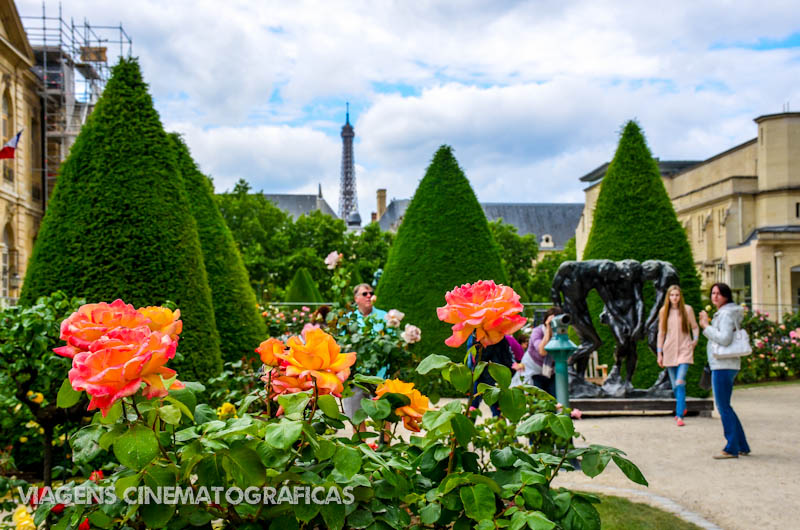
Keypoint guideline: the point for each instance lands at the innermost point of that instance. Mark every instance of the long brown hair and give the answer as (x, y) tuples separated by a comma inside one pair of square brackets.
[(663, 314)]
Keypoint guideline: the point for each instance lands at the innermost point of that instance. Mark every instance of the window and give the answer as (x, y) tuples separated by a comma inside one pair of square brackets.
[(797, 209), (5, 130), (547, 241)]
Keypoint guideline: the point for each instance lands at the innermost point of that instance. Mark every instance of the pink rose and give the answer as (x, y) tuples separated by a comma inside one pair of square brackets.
[(411, 334), (393, 318)]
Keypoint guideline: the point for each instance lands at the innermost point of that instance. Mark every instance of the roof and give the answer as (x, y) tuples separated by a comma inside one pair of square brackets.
[(785, 229), (668, 168), (557, 220), (297, 205)]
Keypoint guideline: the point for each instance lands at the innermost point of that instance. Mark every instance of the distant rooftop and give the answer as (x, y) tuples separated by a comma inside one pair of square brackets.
[(558, 221), (297, 205), (668, 168)]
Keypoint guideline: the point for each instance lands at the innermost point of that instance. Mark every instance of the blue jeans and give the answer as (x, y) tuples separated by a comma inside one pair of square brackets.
[(722, 384), (677, 376)]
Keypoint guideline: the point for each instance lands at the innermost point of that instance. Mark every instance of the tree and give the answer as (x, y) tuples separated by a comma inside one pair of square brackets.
[(444, 242), (634, 219), (239, 322), (119, 226), (303, 288), (261, 231), (518, 254), (370, 248), (545, 269)]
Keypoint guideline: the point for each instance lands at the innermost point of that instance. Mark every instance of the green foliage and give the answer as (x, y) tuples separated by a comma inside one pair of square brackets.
[(30, 379), (545, 269), (119, 226), (518, 254), (239, 323), (622, 514), (776, 347), (370, 248), (444, 242), (303, 289), (634, 219)]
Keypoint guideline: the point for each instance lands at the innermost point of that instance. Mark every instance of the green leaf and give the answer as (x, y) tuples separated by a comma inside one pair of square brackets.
[(325, 450), (295, 404), (430, 513), (360, 518), (136, 448), (108, 437), (306, 512), (501, 374), (539, 521), (479, 502), (85, 443), (156, 515), (183, 407), (491, 395), (531, 477), (327, 403), (533, 497), (534, 423), (432, 362), (210, 470), (561, 426), (513, 403), (463, 429), (333, 515), (630, 470), (67, 397), (245, 466), (396, 400), (123, 483), (503, 458), (594, 463), (114, 413), (377, 410), (485, 525), (203, 413), (170, 414), (582, 516), (282, 435), (347, 461), (99, 519), (460, 377)]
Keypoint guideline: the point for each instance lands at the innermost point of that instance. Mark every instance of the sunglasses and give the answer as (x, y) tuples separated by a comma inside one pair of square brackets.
[(367, 294)]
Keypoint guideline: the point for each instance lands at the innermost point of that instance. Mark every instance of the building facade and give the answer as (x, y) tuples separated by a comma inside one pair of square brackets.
[(741, 213), (21, 189)]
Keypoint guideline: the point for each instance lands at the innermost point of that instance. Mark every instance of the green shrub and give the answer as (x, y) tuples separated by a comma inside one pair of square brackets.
[(240, 326), (444, 242), (119, 226), (634, 219), (303, 289)]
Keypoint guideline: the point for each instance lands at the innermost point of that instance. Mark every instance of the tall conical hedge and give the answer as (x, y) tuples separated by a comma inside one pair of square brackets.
[(635, 219), (119, 226), (239, 323), (303, 289), (444, 241)]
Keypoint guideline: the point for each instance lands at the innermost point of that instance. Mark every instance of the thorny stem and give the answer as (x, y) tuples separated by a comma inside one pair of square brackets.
[(555, 471)]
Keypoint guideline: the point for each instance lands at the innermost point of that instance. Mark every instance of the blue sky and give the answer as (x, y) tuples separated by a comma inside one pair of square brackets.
[(531, 95)]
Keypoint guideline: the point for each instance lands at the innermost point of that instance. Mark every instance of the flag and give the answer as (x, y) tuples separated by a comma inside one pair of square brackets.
[(10, 146)]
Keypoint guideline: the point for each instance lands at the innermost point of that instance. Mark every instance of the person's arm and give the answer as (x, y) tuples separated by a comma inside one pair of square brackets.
[(693, 324), (536, 338), (721, 333), (548, 332), (660, 344)]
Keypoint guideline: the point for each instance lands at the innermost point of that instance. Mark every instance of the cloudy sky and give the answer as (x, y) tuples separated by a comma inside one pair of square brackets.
[(531, 95)]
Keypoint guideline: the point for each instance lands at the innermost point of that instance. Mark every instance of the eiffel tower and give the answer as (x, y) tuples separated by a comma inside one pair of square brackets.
[(348, 198)]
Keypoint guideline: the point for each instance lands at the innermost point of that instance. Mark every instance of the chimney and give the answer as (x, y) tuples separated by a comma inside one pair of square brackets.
[(374, 217), (381, 202)]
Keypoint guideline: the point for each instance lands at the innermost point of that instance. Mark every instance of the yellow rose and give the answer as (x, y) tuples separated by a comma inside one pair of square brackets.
[(23, 439)]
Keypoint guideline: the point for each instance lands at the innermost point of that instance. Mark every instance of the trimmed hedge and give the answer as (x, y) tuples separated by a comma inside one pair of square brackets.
[(634, 219), (239, 323), (303, 289), (118, 224), (443, 242)]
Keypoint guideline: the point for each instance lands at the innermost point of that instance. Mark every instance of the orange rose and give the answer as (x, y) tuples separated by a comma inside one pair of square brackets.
[(411, 413), (318, 358), (268, 350), (489, 309), (118, 363), (164, 320), (92, 321)]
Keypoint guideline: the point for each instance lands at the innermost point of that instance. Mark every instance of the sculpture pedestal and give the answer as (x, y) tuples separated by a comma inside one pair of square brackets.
[(634, 405)]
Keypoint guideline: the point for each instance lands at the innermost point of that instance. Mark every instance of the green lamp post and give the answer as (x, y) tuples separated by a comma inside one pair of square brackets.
[(560, 348)]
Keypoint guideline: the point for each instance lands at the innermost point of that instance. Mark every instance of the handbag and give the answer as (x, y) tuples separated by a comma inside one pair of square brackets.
[(705, 378), (739, 346)]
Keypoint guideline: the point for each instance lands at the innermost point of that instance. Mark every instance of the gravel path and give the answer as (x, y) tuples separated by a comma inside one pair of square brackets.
[(758, 491)]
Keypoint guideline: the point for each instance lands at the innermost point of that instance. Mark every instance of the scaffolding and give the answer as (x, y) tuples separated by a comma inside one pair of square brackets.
[(73, 68)]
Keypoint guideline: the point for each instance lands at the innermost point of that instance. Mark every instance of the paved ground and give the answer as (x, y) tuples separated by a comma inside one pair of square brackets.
[(758, 491)]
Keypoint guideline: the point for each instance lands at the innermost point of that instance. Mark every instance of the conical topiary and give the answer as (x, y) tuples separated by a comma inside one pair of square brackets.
[(443, 242), (303, 289), (239, 322), (118, 224), (634, 219)]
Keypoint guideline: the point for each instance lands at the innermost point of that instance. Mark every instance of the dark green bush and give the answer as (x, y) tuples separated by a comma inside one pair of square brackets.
[(303, 289), (239, 323), (634, 219), (444, 242), (119, 226)]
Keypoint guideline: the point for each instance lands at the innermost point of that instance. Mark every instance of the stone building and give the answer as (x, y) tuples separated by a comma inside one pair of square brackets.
[(741, 212), (21, 190)]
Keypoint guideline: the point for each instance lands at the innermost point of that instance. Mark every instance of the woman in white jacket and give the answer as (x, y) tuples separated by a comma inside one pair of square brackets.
[(723, 371)]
